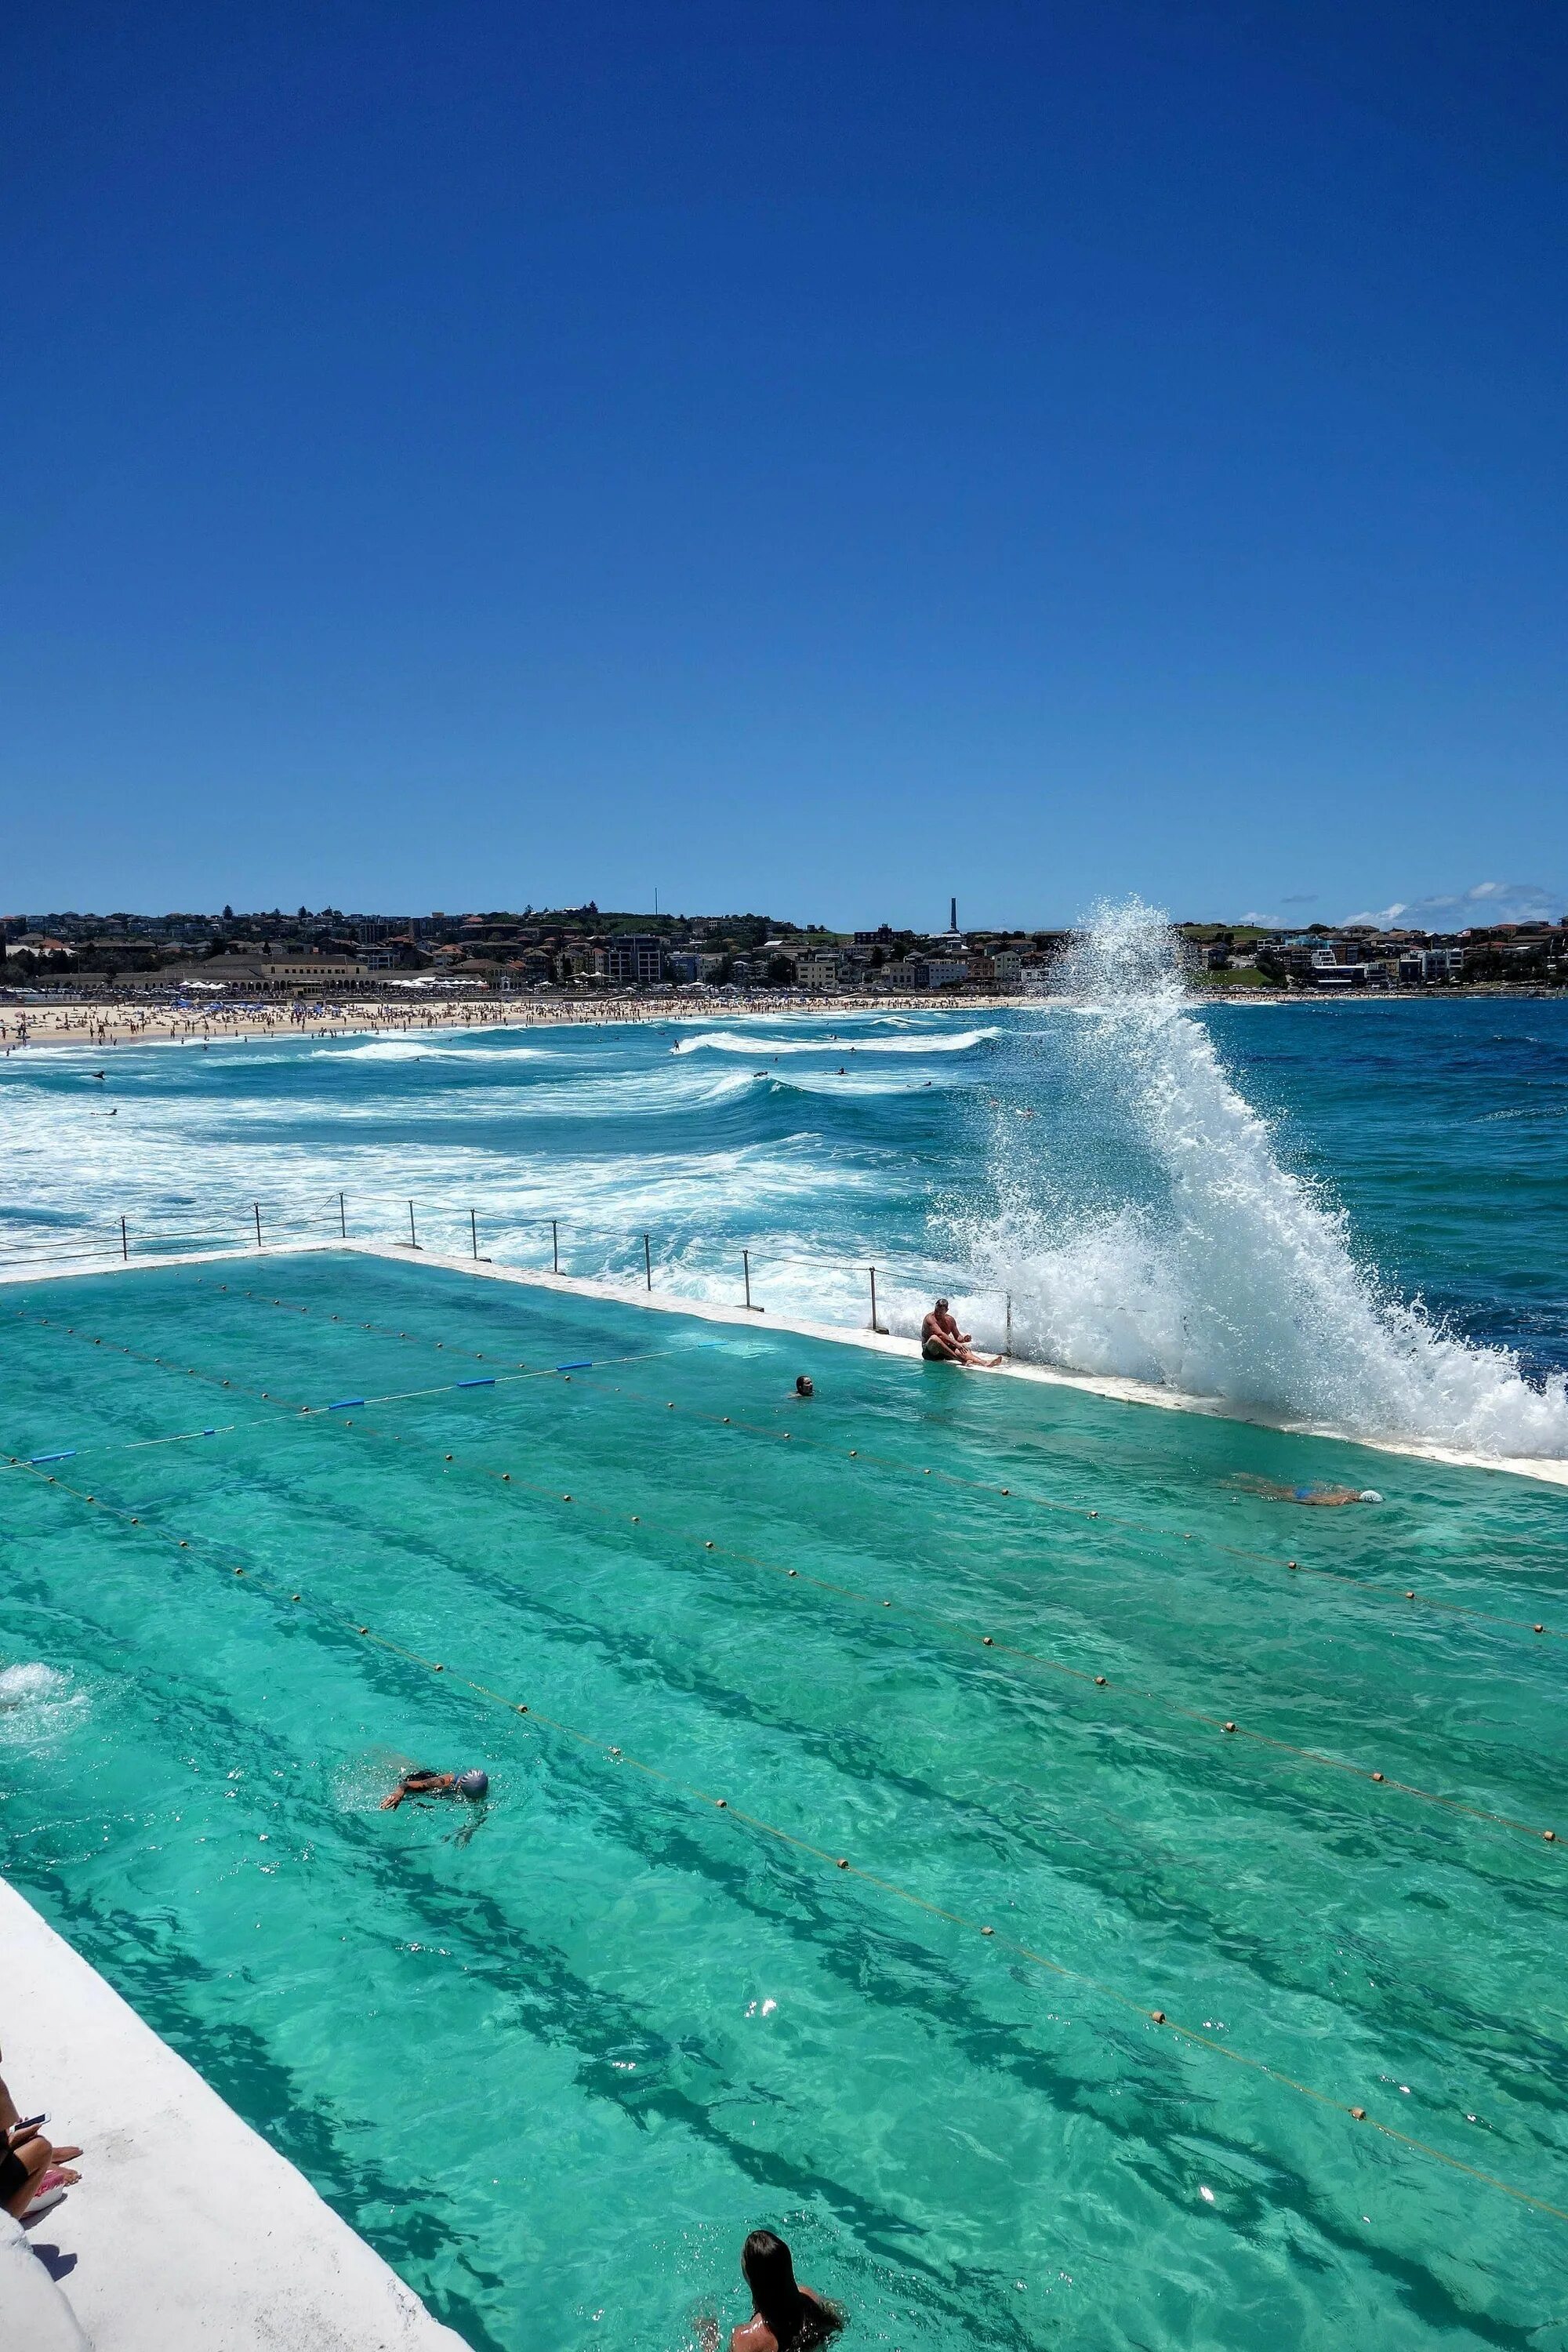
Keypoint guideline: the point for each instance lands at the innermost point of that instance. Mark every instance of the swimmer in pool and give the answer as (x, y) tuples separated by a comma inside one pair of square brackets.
[(802, 1385), (422, 1782), (1329, 1498)]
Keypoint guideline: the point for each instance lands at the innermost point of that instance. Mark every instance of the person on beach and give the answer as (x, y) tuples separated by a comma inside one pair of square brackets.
[(422, 1782), (785, 2317), (942, 1341)]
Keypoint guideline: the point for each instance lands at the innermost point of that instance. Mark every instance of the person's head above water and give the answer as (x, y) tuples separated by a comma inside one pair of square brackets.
[(770, 2273), (802, 1385), (1370, 1495), (473, 1784)]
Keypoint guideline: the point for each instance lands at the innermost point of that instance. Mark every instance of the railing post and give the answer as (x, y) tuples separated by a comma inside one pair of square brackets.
[(257, 1207), (647, 1261), (125, 1245), (342, 1218), (474, 1231), (746, 1276), (413, 1236), (554, 1246), (1008, 1348), (875, 1325)]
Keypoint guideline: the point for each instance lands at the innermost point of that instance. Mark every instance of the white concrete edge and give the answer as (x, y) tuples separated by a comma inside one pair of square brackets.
[(1112, 1387), (186, 2228)]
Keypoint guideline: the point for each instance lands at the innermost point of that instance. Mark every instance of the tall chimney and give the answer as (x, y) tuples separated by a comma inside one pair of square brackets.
[(952, 914)]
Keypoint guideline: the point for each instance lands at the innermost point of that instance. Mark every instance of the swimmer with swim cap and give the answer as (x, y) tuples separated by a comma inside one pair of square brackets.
[(1316, 1497), (423, 1783)]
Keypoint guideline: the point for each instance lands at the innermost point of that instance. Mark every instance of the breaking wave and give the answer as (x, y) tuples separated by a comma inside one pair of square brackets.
[(726, 1041), (1194, 1257)]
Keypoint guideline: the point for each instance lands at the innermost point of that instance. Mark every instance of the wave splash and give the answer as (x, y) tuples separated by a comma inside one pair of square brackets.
[(1195, 1258), (768, 1049)]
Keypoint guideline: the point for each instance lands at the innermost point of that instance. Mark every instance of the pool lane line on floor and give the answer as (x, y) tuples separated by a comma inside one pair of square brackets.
[(1207, 1544), (1002, 1651), (1208, 1548), (594, 1744), (906, 1612)]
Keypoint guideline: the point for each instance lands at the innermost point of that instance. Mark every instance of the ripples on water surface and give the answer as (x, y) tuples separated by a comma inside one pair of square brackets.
[(1300, 1206), (556, 2071)]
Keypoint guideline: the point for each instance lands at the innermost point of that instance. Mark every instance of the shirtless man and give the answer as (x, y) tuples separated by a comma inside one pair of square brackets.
[(942, 1341)]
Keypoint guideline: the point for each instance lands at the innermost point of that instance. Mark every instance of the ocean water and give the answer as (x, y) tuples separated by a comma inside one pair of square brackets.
[(556, 2059), (1356, 1216)]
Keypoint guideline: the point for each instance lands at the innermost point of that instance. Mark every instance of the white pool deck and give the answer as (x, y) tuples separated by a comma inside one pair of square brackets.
[(185, 2229)]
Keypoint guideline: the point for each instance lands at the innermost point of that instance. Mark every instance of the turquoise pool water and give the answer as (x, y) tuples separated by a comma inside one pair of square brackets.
[(555, 2070)]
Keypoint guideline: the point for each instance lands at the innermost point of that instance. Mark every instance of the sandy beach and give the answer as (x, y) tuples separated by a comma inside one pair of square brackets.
[(109, 1025)]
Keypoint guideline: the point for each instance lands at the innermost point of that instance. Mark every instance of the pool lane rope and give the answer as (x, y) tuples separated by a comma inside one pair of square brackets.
[(1367, 1586), (1371, 1587), (1228, 1727), (592, 1743)]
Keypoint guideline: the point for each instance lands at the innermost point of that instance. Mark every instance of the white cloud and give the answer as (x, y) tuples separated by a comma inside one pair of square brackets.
[(1483, 902)]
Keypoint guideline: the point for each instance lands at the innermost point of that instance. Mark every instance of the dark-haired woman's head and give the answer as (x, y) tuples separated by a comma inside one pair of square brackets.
[(795, 2319), (770, 2273)]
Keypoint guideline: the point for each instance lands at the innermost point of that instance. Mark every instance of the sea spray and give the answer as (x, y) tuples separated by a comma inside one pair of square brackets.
[(1153, 1231)]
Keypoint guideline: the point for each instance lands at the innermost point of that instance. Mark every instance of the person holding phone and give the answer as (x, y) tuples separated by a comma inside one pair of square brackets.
[(34, 2173)]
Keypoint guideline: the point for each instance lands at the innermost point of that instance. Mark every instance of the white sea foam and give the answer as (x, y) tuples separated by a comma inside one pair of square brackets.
[(414, 1049), (37, 1701), (762, 1049), (1225, 1275)]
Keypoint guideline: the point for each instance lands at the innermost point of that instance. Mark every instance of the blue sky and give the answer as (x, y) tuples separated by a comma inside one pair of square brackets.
[(809, 458)]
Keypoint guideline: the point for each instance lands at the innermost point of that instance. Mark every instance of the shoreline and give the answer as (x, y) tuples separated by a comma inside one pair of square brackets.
[(104, 1025), (1113, 1388)]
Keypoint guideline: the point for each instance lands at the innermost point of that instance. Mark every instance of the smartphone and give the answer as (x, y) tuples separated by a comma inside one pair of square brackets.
[(29, 2123)]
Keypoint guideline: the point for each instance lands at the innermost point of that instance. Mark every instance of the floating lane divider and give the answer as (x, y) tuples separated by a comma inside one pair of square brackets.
[(842, 1864), (486, 1383), (342, 1405), (952, 1628), (1108, 1519), (130, 1445)]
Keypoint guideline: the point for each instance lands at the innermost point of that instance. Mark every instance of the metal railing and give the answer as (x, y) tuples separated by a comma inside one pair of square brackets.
[(253, 1224)]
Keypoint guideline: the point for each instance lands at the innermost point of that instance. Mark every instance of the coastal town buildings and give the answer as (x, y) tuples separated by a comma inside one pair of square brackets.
[(586, 949)]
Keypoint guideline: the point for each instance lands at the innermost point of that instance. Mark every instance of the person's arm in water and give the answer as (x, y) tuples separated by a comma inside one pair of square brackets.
[(419, 1784)]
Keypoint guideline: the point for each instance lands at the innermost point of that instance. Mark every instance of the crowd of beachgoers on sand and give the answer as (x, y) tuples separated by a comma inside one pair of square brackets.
[(90, 1022)]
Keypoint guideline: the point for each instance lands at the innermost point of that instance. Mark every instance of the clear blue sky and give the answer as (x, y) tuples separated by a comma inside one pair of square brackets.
[(817, 459)]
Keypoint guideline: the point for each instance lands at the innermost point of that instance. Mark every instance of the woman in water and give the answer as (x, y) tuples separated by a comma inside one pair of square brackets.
[(784, 2317)]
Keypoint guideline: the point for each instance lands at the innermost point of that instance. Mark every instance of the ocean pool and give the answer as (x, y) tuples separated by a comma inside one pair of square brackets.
[(555, 2068)]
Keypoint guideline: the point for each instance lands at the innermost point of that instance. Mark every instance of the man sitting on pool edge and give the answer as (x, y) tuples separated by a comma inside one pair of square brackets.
[(942, 1341)]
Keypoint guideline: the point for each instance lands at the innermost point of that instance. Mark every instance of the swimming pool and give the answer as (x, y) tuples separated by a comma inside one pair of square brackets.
[(554, 2069)]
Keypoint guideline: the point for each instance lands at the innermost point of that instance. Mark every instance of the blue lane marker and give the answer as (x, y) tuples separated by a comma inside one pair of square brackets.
[(69, 1456), (488, 1383), (344, 1403), (209, 1433), (585, 1366)]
